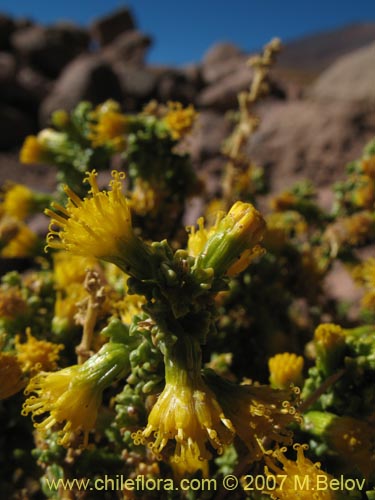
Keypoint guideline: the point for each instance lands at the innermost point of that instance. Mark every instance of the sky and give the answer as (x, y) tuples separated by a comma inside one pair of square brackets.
[(184, 30)]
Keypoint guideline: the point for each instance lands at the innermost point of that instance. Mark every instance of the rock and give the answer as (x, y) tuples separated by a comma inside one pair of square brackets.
[(49, 49), (350, 78), (220, 61), (7, 26), (86, 78), (175, 85), (106, 29), (8, 68), (36, 85), (222, 95), (130, 47), (307, 139), (138, 85), (207, 136), (14, 126)]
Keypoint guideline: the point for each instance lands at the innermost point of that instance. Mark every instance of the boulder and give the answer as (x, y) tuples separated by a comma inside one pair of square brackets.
[(138, 84), (7, 26), (86, 78), (14, 126), (49, 49), (220, 61), (350, 78), (8, 68), (130, 47), (222, 95), (308, 139), (107, 28)]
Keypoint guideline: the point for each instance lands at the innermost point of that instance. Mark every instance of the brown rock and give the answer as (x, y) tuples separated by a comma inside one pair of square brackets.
[(350, 78), (86, 78), (220, 61), (106, 29), (138, 85), (36, 85), (130, 47), (49, 49), (14, 126), (8, 69), (176, 85), (207, 136), (306, 139), (222, 95), (7, 27)]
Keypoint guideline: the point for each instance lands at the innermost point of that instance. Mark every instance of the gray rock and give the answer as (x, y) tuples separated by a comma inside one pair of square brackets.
[(350, 78), (107, 28), (49, 49), (7, 26), (86, 78), (14, 126), (222, 95), (307, 139), (220, 61), (130, 47)]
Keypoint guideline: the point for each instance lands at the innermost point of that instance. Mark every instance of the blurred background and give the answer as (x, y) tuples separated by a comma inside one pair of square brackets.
[(319, 114)]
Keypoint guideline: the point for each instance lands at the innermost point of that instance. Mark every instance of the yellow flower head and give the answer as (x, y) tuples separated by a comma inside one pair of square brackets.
[(329, 336), (18, 201), (363, 194), (144, 198), (109, 126), (256, 411), (231, 244), (99, 226), (285, 369), (364, 274), (72, 396), (69, 269), (33, 151), (187, 413), (24, 243), (129, 306), (295, 485), (12, 304), (353, 440), (11, 376), (35, 355), (283, 201), (367, 166), (179, 120)]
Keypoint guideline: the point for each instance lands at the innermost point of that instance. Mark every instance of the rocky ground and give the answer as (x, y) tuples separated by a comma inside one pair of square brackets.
[(319, 114)]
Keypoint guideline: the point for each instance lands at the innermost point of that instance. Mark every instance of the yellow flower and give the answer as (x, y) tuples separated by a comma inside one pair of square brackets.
[(18, 201), (295, 485), (363, 194), (329, 336), (285, 369), (33, 151), (109, 126), (144, 198), (66, 306), (68, 269), (12, 304), (129, 306), (72, 396), (99, 226), (353, 440), (11, 376), (231, 244), (24, 243), (35, 355), (367, 165), (364, 274), (187, 413), (179, 120), (257, 412)]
